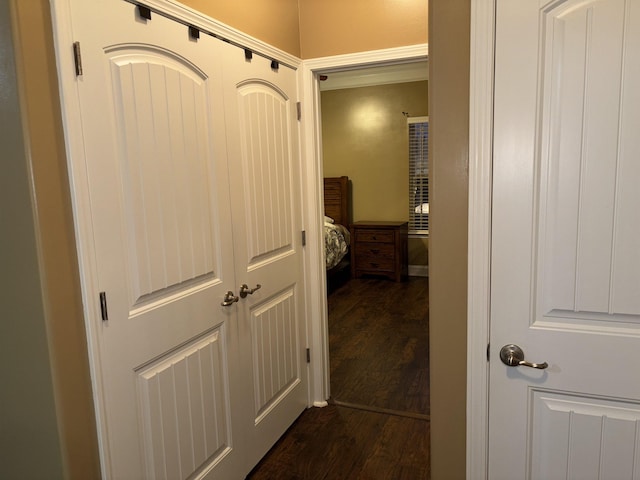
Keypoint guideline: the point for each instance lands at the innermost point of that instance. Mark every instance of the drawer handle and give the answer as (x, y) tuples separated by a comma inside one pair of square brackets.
[(375, 251), (374, 265)]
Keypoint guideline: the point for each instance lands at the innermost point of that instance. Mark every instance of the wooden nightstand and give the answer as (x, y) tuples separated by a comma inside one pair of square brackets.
[(379, 248)]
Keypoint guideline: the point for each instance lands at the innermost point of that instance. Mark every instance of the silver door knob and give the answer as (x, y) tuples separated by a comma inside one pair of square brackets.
[(513, 356), (229, 299), (245, 290)]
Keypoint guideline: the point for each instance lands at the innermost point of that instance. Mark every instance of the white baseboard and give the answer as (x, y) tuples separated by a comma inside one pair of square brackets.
[(418, 270)]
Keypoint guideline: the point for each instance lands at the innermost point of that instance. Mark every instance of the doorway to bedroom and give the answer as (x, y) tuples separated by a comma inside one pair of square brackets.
[(378, 327)]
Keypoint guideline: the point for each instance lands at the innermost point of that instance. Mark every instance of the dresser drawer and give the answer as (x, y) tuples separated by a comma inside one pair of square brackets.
[(375, 257), (372, 264), (375, 250), (377, 236)]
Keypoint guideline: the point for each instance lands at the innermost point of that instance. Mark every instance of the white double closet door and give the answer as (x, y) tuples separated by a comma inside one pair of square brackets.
[(187, 162)]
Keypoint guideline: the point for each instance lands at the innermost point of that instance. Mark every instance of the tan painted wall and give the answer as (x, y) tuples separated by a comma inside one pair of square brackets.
[(318, 28), (364, 136), (333, 27), (29, 442), (62, 308), (274, 22), (449, 156)]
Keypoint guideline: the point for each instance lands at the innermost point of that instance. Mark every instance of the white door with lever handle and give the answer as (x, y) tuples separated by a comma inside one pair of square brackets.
[(267, 226), (564, 398)]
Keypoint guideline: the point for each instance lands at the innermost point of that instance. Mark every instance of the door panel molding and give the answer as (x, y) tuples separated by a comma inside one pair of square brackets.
[(172, 416), (262, 157), (170, 236), (275, 349), (607, 427)]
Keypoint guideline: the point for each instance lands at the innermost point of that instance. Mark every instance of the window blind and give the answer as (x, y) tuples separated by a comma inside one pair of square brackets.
[(418, 175)]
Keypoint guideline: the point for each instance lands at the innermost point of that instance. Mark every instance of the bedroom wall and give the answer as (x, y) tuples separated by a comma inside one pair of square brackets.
[(364, 136)]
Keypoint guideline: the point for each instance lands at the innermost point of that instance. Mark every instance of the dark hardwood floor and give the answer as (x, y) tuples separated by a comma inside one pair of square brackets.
[(377, 424), (379, 344), (340, 443)]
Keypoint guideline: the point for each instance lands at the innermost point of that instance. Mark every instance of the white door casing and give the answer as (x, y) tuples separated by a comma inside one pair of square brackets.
[(174, 371), (313, 193), (565, 270)]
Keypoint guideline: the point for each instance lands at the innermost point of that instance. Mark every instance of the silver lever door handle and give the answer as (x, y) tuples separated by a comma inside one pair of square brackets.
[(229, 299), (513, 356), (245, 290)]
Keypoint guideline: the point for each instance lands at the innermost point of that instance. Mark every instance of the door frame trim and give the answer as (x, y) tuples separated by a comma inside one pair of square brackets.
[(311, 139), (479, 235)]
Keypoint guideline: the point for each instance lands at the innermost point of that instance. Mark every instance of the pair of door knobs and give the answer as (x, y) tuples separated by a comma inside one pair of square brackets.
[(230, 298)]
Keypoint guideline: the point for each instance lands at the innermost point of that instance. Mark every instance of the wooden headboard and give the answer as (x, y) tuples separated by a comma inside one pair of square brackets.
[(336, 199)]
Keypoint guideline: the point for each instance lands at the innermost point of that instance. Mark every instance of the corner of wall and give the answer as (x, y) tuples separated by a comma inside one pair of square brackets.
[(449, 156), (53, 230)]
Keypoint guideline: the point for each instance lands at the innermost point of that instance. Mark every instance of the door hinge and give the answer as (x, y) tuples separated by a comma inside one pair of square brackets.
[(103, 306), (299, 108), (488, 351), (304, 238), (77, 58), (308, 355)]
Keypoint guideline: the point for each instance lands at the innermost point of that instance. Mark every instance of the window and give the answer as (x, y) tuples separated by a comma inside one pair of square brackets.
[(418, 175)]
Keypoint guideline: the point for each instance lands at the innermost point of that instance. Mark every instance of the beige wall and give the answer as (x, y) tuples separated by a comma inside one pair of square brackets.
[(65, 355), (364, 136), (333, 27), (274, 22), (47, 425), (319, 28), (449, 156)]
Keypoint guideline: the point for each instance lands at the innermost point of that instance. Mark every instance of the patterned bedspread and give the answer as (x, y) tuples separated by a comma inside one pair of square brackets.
[(336, 243)]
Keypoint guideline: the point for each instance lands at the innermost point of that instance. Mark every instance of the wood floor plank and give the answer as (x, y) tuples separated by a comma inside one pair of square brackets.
[(336, 443)]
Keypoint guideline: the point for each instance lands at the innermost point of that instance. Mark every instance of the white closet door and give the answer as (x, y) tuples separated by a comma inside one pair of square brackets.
[(264, 168), (156, 173)]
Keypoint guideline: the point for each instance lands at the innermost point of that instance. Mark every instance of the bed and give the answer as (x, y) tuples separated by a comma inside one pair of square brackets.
[(337, 214)]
